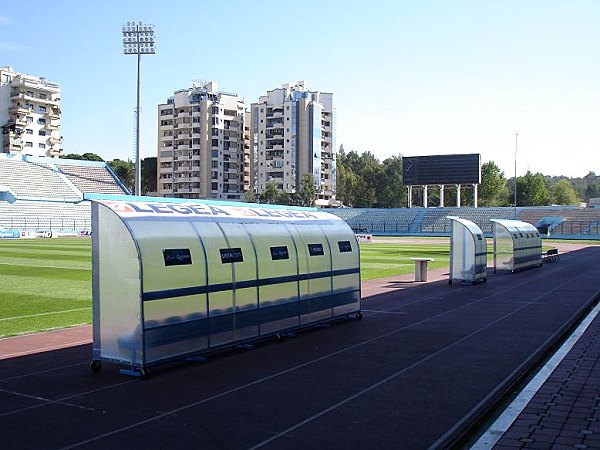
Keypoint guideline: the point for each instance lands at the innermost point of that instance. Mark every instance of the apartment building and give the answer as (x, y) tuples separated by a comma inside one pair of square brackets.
[(29, 114), (293, 134), (203, 144)]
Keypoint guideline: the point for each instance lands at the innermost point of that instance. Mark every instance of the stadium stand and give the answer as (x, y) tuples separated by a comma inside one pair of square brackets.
[(567, 221), (35, 180), (91, 178), (46, 194)]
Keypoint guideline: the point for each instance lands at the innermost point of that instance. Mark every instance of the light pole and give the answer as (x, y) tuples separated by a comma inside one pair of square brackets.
[(516, 142), (138, 39)]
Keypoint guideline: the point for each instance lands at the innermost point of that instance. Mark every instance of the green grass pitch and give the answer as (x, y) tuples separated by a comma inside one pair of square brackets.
[(379, 260), (44, 284)]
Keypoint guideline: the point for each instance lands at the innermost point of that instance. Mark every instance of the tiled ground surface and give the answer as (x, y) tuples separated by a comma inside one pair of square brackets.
[(565, 413)]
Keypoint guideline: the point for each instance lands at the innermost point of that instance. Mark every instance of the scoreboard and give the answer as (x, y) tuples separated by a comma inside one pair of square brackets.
[(441, 169)]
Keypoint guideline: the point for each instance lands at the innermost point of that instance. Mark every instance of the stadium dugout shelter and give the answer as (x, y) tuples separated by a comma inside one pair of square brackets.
[(468, 252), (176, 278), (517, 245)]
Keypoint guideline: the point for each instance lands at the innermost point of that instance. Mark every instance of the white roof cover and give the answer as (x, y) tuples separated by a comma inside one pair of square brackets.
[(514, 225), (150, 209), (472, 227)]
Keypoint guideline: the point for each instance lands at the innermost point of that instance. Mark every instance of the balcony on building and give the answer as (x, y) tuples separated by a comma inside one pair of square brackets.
[(55, 152), (52, 141), (15, 143), (165, 156), (18, 108), (271, 123), (275, 134), (23, 82), (53, 113), (19, 120), (274, 153), (275, 176), (231, 125), (166, 114), (52, 125)]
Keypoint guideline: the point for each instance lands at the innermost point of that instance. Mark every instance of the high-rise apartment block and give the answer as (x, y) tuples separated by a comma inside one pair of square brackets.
[(29, 114), (293, 134), (203, 149)]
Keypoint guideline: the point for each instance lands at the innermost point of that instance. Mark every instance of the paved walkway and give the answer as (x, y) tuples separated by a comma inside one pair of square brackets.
[(565, 412), (43, 342)]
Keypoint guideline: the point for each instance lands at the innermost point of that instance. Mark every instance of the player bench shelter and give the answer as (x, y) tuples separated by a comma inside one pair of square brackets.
[(517, 245), (468, 252), (174, 278)]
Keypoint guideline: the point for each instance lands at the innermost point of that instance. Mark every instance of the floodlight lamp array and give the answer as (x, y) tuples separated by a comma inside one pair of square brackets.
[(138, 39)]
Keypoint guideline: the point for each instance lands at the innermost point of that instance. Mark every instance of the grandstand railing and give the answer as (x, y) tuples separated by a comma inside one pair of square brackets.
[(434, 222), (583, 229), (45, 223)]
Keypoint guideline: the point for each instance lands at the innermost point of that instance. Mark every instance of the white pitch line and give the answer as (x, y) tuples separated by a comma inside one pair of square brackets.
[(45, 314)]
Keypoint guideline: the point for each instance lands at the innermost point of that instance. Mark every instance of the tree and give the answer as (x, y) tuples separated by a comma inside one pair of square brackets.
[(307, 193), (391, 193), (592, 186), (149, 182), (371, 181), (347, 179), (271, 193), (563, 193), (84, 157), (531, 190), (364, 182), (74, 156), (125, 171), (283, 198), (493, 190), (91, 157), (347, 185), (365, 195)]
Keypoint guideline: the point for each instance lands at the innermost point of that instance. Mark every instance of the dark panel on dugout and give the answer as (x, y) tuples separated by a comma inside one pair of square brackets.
[(441, 169)]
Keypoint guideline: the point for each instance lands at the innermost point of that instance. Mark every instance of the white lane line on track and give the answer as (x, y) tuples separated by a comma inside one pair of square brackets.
[(45, 349), (40, 372), (58, 401), (378, 311)]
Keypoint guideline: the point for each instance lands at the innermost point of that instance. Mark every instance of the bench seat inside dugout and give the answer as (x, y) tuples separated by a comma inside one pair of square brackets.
[(178, 278)]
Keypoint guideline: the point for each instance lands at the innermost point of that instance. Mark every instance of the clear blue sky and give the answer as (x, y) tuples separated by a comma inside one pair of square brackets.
[(408, 77)]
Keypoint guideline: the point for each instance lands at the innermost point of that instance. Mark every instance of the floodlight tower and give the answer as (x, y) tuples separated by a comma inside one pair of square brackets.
[(138, 39), (516, 145)]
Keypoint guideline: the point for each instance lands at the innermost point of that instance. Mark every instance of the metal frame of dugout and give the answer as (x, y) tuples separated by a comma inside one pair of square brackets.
[(517, 245), (468, 252), (174, 279)]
